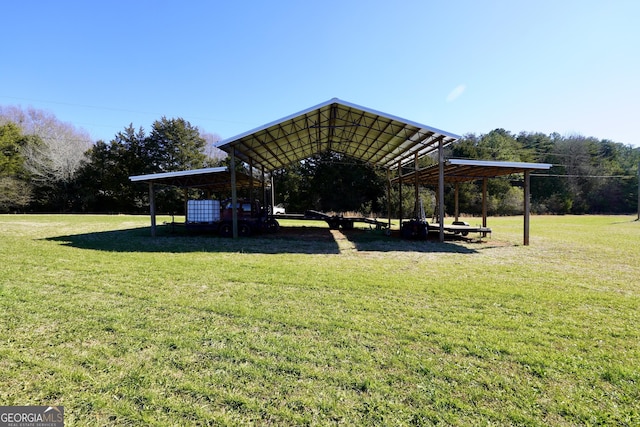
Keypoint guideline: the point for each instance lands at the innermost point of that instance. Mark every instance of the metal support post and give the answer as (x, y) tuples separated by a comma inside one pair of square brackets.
[(457, 204), (152, 208), (234, 195), (416, 188), (389, 198), (273, 194), (441, 188), (527, 205), (484, 204), (400, 212), (263, 197), (251, 191), (185, 194)]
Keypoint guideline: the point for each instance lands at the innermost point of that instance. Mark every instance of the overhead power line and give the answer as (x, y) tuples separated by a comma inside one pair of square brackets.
[(583, 176), (122, 110)]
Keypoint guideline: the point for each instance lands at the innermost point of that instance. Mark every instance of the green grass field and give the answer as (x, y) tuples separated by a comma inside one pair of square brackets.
[(318, 327)]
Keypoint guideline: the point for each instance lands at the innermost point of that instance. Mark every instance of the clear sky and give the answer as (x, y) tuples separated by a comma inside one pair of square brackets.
[(571, 67)]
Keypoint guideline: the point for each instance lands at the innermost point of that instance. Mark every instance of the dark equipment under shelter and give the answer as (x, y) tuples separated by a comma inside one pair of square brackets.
[(206, 179), (382, 140), (461, 170), (377, 138)]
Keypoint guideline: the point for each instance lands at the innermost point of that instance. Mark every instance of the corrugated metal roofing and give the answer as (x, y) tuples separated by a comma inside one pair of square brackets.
[(207, 178), (460, 170), (177, 174), (368, 135)]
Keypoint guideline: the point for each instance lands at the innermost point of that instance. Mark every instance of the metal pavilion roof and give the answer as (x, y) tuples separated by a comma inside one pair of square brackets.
[(214, 179), (461, 170), (371, 136)]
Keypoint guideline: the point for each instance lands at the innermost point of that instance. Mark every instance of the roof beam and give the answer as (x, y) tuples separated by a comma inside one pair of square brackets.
[(244, 148), (364, 134), (381, 145)]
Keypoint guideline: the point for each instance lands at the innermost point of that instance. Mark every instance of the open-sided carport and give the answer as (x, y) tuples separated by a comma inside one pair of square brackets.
[(377, 138), (207, 179), (458, 170)]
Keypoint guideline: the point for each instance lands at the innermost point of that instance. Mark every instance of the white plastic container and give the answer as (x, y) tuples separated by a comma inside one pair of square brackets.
[(203, 211)]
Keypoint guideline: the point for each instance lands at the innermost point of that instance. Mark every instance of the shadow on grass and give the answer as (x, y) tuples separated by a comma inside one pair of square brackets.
[(373, 241), (177, 240), (626, 222), (299, 240)]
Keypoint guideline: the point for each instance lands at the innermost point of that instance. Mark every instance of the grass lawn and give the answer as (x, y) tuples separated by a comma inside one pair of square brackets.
[(317, 327)]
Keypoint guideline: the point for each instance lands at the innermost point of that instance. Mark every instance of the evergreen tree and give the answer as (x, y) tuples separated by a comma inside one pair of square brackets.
[(15, 190), (172, 145)]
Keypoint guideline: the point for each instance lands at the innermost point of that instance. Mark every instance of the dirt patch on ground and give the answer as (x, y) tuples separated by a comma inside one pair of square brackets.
[(325, 234)]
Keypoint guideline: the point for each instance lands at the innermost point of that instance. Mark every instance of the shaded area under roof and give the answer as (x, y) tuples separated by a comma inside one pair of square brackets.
[(361, 133), (461, 170), (213, 179)]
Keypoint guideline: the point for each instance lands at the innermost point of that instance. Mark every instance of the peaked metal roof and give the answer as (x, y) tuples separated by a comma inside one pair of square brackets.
[(461, 170), (368, 135)]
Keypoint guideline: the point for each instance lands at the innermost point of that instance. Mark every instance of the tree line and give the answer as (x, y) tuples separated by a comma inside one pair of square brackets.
[(587, 176), (50, 166)]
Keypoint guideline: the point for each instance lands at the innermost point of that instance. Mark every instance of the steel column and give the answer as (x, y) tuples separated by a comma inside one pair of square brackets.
[(416, 189), (263, 197), (273, 194), (251, 182), (152, 209), (234, 195), (457, 205), (441, 188), (389, 198), (400, 213), (484, 204), (527, 205)]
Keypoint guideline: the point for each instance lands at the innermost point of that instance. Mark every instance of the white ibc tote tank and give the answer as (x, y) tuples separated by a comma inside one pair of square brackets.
[(203, 211)]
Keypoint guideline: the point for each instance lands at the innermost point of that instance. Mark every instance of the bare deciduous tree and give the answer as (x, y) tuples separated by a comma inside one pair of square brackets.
[(62, 146), (214, 154)]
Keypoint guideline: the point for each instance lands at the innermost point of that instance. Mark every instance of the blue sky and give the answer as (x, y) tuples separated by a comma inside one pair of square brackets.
[(571, 67)]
